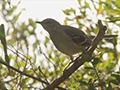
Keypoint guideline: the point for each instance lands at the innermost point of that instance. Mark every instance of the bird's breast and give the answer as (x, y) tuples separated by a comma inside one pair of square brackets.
[(64, 44)]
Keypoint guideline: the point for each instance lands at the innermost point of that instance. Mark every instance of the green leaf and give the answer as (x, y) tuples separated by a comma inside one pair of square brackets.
[(115, 82), (69, 11), (3, 41), (79, 2), (109, 86), (2, 33), (90, 81), (16, 17), (100, 5), (113, 19), (96, 61), (83, 82), (117, 3), (2, 86), (46, 41), (108, 1), (88, 67), (11, 10), (91, 84), (68, 19), (117, 77), (30, 21), (113, 11), (87, 5), (100, 9), (110, 10)]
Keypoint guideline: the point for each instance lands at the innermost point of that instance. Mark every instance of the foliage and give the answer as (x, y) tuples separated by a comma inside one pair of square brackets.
[(24, 49), (3, 41)]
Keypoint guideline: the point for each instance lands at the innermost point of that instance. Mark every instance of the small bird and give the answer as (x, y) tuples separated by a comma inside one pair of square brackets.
[(67, 39)]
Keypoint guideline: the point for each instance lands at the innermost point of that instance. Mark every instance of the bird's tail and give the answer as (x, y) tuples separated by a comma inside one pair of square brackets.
[(105, 36)]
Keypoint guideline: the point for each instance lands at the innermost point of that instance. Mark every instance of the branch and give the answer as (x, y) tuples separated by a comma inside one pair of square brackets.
[(38, 79), (79, 62), (23, 73)]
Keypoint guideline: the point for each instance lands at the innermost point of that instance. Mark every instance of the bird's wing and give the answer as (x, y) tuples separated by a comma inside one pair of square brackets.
[(77, 36)]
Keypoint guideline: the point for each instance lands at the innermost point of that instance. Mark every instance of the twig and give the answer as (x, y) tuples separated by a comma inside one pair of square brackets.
[(23, 73), (87, 55), (43, 74), (98, 77)]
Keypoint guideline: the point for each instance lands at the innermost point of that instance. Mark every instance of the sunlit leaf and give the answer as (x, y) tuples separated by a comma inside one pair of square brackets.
[(79, 2), (117, 77), (11, 10), (100, 9), (90, 81), (113, 19), (115, 82), (87, 5), (46, 41), (3, 41), (100, 5), (69, 11), (31, 22), (16, 17), (117, 3), (110, 10)]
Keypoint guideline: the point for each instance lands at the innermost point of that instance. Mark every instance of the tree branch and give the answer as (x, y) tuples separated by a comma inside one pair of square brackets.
[(23, 73), (87, 55), (38, 79)]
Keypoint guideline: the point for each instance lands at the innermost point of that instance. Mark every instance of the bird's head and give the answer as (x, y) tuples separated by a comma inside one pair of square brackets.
[(49, 24)]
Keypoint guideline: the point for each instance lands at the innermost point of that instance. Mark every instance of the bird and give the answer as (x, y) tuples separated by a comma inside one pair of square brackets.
[(67, 39)]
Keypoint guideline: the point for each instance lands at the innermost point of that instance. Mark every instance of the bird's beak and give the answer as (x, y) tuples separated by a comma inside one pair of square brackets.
[(38, 22)]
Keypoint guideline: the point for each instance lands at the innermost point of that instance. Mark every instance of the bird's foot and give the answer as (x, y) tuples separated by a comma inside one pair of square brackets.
[(65, 69)]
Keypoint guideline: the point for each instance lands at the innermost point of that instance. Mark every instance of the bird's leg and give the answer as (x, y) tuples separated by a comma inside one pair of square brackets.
[(69, 63)]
